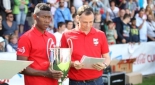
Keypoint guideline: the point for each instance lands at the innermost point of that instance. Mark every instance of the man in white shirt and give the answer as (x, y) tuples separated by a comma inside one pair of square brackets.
[(142, 25), (58, 34)]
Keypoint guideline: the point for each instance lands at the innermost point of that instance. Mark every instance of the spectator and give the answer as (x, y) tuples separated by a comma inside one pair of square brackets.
[(106, 4), (120, 18), (150, 28), (13, 39), (111, 33), (122, 5), (150, 3), (98, 22), (8, 4), (136, 1), (113, 10), (53, 6), (33, 3), (117, 2), (149, 11), (131, 5), (134, 31), (123, 29), (65, 3), (50, 29), (142, 25), (4, 10), (9, 26), (85, 2), (74, 20), (21, 10), (58, 34), (77, 3), (72, 10), (2, 45), (62, 14), (12, 45), (96, 5), (69, 25)]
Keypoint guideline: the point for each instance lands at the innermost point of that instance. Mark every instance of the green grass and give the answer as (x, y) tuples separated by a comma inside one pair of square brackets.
[(150, 80)]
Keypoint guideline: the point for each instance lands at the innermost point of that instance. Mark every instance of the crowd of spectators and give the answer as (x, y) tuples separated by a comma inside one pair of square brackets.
[(123, 21)]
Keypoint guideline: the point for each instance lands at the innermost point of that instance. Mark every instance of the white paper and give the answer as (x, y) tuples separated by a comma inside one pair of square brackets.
[(89, 61), (9, 68)]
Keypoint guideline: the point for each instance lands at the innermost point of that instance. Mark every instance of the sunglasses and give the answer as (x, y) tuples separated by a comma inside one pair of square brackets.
[(10, 16)]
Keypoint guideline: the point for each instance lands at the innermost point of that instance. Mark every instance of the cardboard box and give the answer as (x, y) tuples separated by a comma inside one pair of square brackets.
[(122, 65), (134, 78)]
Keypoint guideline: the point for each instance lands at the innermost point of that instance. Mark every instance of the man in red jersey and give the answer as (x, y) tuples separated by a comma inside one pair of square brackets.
[(32, 47), (88, 41)]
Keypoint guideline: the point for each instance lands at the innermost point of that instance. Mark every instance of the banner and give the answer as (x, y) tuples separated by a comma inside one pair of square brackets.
[(143, 52)]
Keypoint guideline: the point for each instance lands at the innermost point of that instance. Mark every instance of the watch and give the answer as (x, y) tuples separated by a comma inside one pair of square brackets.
[(105, 65)]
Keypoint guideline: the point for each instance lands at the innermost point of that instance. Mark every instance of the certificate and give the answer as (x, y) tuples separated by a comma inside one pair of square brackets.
[(88, 61)]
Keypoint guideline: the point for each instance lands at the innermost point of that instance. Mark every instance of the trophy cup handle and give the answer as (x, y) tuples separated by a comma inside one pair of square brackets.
[(70, 43), (49, 44)]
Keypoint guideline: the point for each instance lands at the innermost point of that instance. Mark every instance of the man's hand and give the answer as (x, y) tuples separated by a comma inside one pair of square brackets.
[(54, 74), (123, 41), (8, 11), (77, 65), (99, 66)]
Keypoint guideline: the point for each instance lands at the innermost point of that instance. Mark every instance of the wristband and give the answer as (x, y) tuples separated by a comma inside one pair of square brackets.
[(105, 65)]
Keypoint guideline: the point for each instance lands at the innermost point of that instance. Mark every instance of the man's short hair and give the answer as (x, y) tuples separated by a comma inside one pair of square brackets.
[(67, 21), (87, 10), (133, 19), (127, 16), (60, 24), (7, 14), (141, 9), (41, 6), (109, 22)]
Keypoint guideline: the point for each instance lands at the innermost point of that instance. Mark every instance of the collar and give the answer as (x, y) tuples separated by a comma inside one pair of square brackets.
[(92, 31), (36, 31)]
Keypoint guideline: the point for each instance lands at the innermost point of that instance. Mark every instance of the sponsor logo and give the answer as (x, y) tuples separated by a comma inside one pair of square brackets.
[(22, 50), (95, 41)]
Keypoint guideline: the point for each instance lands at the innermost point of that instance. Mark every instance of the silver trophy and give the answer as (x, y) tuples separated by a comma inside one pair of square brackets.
[(60, 60)]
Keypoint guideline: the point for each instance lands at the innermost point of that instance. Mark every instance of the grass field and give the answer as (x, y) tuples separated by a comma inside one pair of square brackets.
[(149, 80)]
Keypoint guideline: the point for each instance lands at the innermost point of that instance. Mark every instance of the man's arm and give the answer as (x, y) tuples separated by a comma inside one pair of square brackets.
[(118, 29), (23, 52), (151, 38), (30, 71), (33, 72), (107, 58), (141, 24)]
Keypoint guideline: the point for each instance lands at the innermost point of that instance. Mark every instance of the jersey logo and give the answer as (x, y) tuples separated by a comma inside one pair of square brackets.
[(95, 40), (22, 50)]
